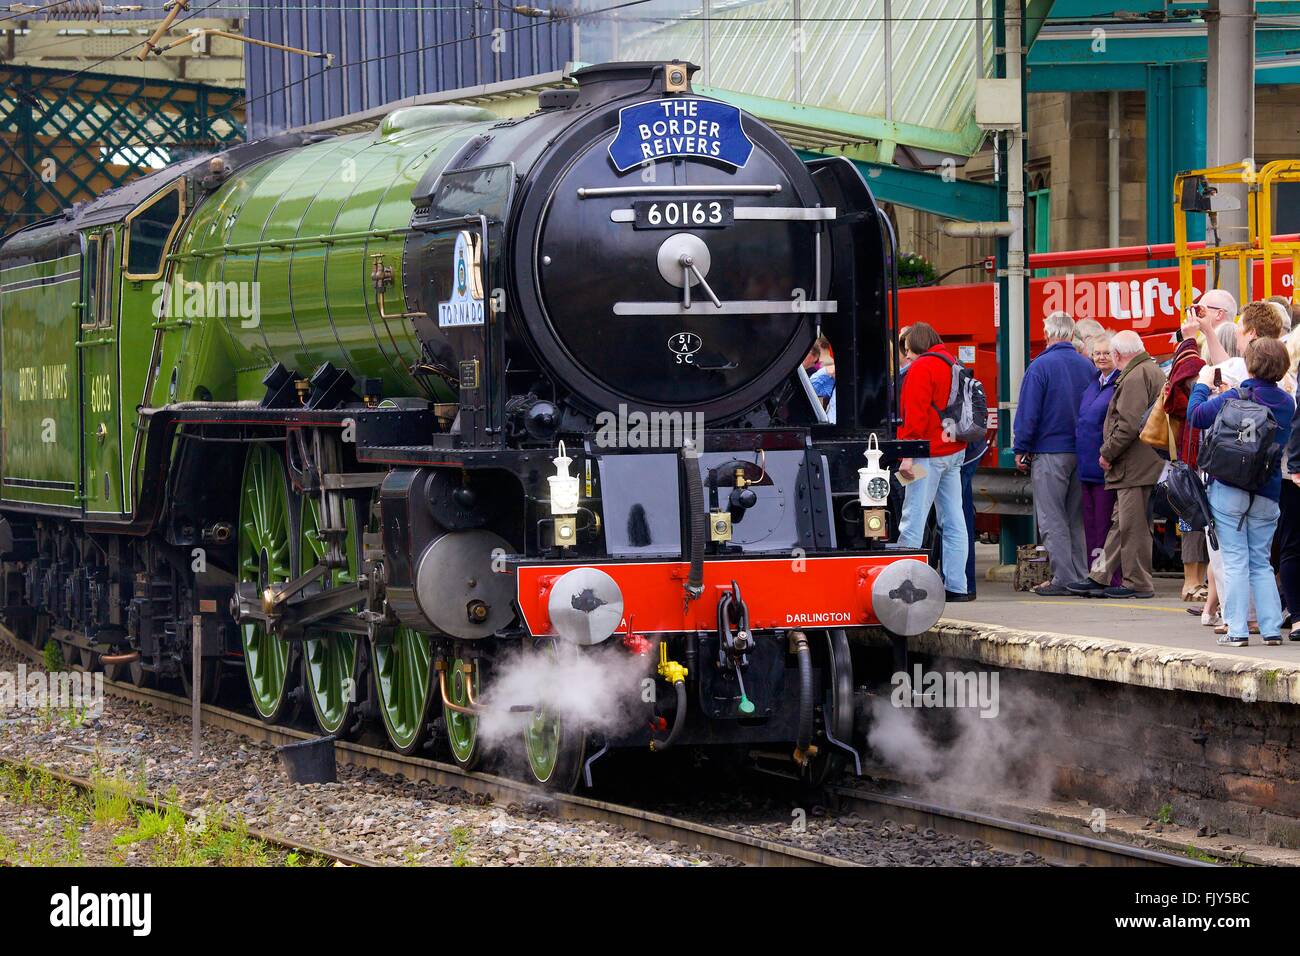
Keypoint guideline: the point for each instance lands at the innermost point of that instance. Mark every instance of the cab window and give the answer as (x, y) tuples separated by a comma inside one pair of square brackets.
[(149, 231), (104, 306), (90, 315)]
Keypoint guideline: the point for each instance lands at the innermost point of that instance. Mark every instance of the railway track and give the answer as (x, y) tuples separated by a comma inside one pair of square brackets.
[(1056, 847), (750, 850)]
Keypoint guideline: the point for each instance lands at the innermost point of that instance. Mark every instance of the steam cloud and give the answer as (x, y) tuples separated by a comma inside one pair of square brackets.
[(595, 689), (956, 752)]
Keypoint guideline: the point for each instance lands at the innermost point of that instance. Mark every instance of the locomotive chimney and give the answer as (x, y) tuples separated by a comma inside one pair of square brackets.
[(608, 81)]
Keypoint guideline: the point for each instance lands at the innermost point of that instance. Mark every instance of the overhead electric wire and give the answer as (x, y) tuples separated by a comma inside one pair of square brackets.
[(31, 13), (33, 175), (136, 46), (407, 52), (551, 16), (306, 77), (559, 12)]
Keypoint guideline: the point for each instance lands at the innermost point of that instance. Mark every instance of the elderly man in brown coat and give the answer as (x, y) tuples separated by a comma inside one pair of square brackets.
[(1132, 469)]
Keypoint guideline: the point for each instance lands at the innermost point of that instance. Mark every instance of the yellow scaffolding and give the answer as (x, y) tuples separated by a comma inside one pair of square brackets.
[(1260, 244), (1280, 171)]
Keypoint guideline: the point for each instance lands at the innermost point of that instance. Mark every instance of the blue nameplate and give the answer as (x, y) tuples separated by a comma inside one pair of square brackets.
[(676, 126)]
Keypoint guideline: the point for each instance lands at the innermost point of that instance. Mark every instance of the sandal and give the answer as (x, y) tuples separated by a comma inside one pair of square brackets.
[(1223, 628), (1199, 593)]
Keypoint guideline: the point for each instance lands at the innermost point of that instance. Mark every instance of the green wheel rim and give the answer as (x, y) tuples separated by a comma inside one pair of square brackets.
[(554, 752), (542, 743), (402, 682), (544, 734), (264, 558), (329, 664), (462, 729)]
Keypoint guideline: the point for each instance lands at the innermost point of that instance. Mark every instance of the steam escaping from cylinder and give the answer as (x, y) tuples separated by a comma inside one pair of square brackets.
[(603, 690), (898, 740), (955, 754)]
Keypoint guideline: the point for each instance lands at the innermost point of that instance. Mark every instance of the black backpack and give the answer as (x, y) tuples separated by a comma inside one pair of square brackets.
[(1185, 492), (968, 407), (1241, 449)]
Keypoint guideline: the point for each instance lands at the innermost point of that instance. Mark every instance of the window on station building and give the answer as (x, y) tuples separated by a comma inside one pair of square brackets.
[(1286, 209), (149, 231), (1038, 223)]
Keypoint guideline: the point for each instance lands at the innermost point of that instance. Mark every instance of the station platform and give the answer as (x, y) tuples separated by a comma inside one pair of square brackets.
[(1150, 643)]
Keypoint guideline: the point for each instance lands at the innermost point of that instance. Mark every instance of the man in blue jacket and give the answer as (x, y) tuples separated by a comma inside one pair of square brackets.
[(1044, 428)]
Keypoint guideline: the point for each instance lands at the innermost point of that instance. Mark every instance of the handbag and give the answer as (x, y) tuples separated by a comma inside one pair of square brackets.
[(1158, 430)]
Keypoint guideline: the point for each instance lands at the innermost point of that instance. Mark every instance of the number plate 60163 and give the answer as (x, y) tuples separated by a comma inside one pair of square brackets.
[(683, 213)]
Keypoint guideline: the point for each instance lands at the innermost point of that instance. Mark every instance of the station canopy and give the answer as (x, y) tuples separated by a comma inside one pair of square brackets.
[(826, 73)]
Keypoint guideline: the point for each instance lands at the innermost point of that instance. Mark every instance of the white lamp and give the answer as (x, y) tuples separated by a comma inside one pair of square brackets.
[(564, 486), (564, 501), (873, 480)]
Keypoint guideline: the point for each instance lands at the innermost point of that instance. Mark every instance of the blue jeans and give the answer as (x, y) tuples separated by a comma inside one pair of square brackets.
[(1246, 569), (968, 506), (940, 488)]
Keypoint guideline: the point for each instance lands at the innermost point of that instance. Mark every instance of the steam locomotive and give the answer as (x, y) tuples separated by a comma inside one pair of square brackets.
[(367, 416)]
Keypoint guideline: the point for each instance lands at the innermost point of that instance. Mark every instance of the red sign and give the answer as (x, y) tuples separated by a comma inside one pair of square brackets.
[(1144, 300)]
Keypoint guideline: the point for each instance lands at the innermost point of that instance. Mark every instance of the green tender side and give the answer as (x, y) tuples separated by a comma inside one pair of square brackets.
[(288, 243), (39, 316)]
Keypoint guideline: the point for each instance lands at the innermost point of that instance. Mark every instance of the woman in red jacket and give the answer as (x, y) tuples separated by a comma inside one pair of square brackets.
[(1183, 371), (934, 481)]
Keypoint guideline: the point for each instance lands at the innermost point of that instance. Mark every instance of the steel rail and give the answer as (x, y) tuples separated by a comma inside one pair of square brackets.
[(1056, 846)]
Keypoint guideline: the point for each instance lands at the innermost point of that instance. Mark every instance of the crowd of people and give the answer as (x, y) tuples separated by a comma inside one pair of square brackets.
[(1098, 422), (1097, 433)]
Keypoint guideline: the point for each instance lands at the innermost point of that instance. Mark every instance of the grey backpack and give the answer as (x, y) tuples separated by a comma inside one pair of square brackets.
[(1241, 448), (967, 408)]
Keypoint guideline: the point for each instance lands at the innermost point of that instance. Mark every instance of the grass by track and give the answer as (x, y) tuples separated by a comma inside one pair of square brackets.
[(50, 819)]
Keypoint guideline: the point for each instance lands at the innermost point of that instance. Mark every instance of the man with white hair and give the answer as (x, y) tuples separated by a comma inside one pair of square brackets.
[(1050, 395), (1085, 330), (1132, 469), (1211, 310)]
